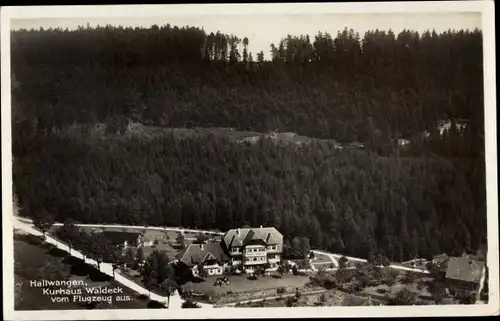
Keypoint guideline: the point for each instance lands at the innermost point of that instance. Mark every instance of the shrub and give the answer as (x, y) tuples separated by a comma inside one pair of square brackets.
[(325, 280), (403, 297), (142, 297), (281, 290), (155, 305), (188, 304)]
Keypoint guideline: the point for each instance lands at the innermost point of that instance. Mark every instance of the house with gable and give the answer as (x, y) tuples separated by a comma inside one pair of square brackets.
[(210, 256), (466, 275), (249, 248)]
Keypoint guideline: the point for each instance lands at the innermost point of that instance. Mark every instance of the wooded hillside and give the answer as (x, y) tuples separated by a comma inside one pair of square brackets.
[(387, 199)]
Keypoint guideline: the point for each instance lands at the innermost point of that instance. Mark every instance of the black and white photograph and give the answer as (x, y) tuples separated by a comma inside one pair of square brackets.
[(195, 160)]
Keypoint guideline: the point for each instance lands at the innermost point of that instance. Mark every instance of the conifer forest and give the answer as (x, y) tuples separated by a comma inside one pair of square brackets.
[(146, 126)]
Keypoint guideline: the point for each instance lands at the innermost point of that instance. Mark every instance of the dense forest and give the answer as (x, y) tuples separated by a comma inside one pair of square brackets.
[(397, 201)]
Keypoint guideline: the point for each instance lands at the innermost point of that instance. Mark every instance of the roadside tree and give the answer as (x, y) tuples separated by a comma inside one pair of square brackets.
[(181, 240), (44, 222), (201, 238), (168, 287)]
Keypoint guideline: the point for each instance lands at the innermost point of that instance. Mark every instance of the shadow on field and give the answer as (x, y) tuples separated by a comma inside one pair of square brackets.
[(155, 305), (143, 297), (54, 251), (80, 268)]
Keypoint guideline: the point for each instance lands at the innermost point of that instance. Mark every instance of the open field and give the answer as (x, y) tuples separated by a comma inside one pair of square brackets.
[(45, 262)]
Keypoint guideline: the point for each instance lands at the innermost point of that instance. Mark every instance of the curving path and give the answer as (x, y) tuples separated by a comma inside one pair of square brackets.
[(330, 256), (392, 266), (106, 268), (158, 228)]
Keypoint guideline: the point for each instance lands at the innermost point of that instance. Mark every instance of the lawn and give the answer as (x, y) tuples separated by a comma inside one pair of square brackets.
[(34, 261), (241, 288), (240, 283), (320, 259)]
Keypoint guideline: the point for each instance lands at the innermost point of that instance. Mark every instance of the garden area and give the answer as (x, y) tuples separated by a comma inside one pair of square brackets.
[(326, 298), (387, 285), (241, 287), (319, 260)]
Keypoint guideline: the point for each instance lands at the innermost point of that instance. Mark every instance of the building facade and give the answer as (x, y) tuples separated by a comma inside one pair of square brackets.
[(208, 256), (466, 275), (250, 248)]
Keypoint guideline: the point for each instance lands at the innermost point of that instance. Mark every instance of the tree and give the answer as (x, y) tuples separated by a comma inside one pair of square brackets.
[(202, 272), (403, 297), (322, 299), (189, 304), (181, 240), (260, 57), (168, 287), (151, 285), (389, 281), (438, 290), (245, 49), (201, 238), (157, 268), (343, 262), (259, 270), (300, 247), (139, 257), (44, 222), (69, 233), (282, 269), (304, 264), (99, 249), (129, 257), (297, 293)]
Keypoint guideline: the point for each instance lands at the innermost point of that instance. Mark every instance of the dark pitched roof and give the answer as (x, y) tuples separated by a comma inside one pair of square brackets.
[(441, 258), (198, 253), (241, 237), (464, 269), (120, 237)]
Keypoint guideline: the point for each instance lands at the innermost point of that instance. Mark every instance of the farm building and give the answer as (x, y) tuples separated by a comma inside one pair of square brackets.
[(465, 275)]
